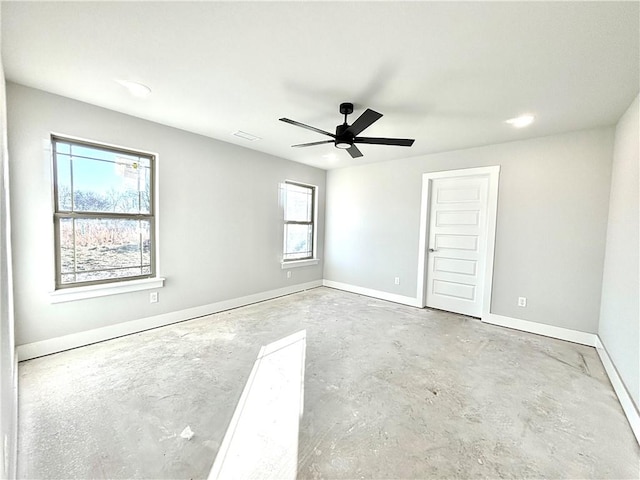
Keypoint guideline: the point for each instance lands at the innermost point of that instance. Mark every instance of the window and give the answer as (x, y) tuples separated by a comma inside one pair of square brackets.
[(104, 213), (299, 217)]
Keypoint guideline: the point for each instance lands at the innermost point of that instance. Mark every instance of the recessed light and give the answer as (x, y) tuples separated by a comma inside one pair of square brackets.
[(521, 121), (135, 88), (246, 136)]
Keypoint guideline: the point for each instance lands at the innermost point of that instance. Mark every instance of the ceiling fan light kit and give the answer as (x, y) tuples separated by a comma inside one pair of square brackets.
[(346, 135)]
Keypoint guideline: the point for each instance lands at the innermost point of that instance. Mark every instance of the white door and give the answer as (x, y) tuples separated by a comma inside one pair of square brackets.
[(456, 243)]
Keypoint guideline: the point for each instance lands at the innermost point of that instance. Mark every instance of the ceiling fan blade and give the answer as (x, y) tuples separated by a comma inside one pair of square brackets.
[(354, 152), (313, 143), (363, 121), (400, 142), (308, 127)]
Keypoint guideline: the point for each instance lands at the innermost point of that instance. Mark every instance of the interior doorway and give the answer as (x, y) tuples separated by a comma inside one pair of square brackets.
[(457, 240)]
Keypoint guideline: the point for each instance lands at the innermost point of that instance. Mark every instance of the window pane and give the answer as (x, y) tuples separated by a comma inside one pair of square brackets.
[(108, 274), (145, 189), (63, 174), (298, 242), (299, 203), (67, 257), (97, 153), (103, 248), (101, 186), (63, 147), (145, 237), (144, 162)]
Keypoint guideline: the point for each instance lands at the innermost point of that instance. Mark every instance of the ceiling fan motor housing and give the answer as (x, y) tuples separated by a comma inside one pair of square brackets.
[(344, 138)]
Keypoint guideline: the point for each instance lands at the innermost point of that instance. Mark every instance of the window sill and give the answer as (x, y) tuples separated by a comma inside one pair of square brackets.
[(93, 291), (299, 263)]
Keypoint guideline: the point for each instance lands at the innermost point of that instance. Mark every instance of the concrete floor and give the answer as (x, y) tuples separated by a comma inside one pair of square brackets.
[(390, 392)]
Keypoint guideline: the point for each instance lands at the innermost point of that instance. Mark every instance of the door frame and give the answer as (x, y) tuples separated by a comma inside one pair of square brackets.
[(493, 174)]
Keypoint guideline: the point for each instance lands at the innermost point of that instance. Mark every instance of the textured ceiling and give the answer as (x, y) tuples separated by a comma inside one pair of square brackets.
[(447, 74)]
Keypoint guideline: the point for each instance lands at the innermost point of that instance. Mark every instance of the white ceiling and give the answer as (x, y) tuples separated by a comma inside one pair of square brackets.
[(447, 74)]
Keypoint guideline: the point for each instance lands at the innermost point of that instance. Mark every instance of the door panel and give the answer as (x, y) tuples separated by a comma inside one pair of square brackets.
[(456, 242), (458, 195), (455, 265), (454, 290), (449, 219)]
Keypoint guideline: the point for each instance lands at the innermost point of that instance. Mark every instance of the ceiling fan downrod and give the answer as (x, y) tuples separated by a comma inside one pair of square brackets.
[(346, 109), (343, 139)]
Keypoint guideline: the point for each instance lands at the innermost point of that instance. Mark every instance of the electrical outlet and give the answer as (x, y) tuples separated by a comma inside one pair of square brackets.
[(153, 297), (396, 280), (522, 301), (289, 274)]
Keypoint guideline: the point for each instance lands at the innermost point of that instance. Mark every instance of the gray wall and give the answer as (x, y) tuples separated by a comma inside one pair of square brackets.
[(8, 370), (551, 225), (619, 327), (219, 216)]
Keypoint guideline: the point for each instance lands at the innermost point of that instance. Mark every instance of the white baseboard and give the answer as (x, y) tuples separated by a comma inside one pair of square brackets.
[(59, 344), (629, 408), (74, 340), (560, 333), (368, 292), (13, 448)]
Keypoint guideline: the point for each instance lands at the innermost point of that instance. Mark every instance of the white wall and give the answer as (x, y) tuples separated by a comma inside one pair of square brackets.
[(551, 225), (619, 327), (220, 221), (8, 369)]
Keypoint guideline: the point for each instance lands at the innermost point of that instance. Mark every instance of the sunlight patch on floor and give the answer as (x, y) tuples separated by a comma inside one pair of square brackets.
[(262, 438)]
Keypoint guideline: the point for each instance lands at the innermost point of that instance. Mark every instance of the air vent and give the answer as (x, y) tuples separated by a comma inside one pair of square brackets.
[(246, 136)]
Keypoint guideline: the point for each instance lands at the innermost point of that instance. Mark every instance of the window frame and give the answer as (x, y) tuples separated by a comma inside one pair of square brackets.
[(312, 259), (107, 286)]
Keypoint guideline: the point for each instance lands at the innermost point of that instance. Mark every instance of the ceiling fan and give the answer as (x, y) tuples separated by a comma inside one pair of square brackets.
[(346, 135)]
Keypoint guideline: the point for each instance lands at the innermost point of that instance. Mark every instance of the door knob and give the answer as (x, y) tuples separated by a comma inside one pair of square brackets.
[(432, 250)]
